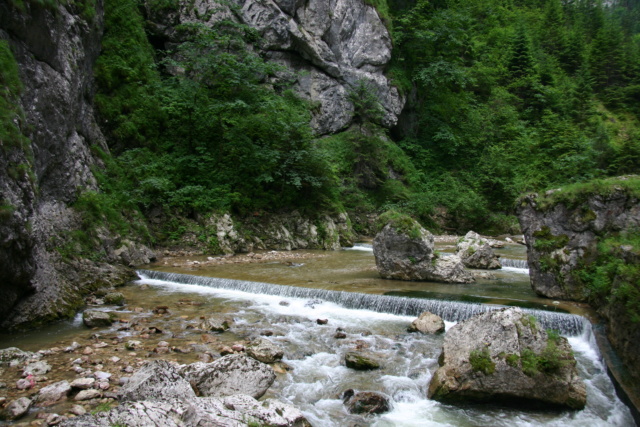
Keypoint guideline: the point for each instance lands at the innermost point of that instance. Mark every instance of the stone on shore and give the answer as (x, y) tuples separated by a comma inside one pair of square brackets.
[(229, 375), (16, 409), (157, 380), (54, 392)]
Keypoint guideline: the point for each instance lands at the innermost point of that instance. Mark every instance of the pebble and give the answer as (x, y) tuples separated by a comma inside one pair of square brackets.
[(87, 351), (77, 410), (83, 383), (100, 345), (88, 394), (115, 359)]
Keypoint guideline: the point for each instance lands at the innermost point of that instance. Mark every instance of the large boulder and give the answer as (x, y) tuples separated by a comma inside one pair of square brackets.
[(405, 251), (229, 375), (476, 252), (505, 357), (157, 380), (233, 411)]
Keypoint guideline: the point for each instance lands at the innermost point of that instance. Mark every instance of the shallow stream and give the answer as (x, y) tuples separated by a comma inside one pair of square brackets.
[(376, 322)]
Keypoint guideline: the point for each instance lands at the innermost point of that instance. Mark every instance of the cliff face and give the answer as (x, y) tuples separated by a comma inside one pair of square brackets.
[(332, 45), (562, 239), (584, 247), (327, 47), (55, 48)]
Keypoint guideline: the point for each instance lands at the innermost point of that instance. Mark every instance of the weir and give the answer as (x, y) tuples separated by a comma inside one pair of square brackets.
[(452, 311), (516, 263)]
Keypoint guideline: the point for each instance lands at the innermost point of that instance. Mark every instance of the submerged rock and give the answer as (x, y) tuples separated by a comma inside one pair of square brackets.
[(366, 402), (13, 356), (96, 318), (477, 252), (265, 351), (505, 357), (229, 375), (213, 324), (361, 361), (405, 251), (427, 323), (114, 298)]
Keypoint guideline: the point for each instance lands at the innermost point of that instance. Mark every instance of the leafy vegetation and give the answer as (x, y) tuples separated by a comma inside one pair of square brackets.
[(401, 223), (614, 275), (509, 97), (11, 115), (481, 361), (503, 98)]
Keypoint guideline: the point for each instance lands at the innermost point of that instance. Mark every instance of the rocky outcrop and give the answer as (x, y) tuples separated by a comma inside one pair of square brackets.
[(408, 253), (562, 238), (159, 394), (427, 323), (505, 357), (43, 171), (476, 252), (289, 231), (326, 47), (565, 233)]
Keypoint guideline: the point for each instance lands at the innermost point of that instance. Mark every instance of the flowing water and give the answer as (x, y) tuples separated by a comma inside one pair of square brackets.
[(318, 376), (343, 287)]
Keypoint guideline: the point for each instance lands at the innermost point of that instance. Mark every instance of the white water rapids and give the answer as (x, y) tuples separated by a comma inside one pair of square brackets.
[(319, 376)]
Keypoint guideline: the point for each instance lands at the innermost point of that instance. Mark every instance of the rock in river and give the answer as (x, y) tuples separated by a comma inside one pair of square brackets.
[(427, 323), (405, 251), (505, 357), (476, 252)]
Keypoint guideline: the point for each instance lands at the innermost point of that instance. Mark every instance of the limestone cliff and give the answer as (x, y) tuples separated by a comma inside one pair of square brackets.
[(54, 47), (326, 46), (582, 245)]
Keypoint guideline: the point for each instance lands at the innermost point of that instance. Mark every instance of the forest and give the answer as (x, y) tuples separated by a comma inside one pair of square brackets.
[(503, 97)]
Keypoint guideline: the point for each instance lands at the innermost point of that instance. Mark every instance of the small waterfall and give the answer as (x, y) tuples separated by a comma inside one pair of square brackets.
[(452, 311), (515, 263)]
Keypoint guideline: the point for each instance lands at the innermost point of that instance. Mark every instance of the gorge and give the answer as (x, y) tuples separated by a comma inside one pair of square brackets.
[(130, 130)]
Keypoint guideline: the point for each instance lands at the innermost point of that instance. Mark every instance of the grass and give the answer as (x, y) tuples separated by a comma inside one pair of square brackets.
[(574, 195), (401, 223)]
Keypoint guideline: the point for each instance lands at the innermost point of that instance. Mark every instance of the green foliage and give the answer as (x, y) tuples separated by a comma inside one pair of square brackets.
[(514, 97), (575, 195), (11, 115), (481, 361), (549, 362), (201, 129), (614, 276), (546, 241), (512, 360), (401, 223)]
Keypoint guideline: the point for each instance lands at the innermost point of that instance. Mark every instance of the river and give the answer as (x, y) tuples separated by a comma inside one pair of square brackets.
[(285, 299)]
